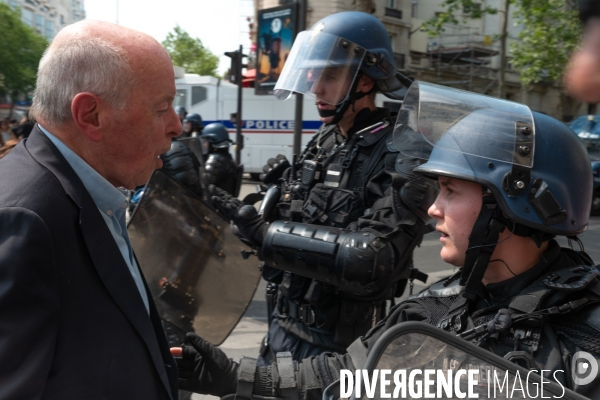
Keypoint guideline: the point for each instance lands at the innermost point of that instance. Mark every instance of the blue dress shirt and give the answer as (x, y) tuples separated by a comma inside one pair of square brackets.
[(112, 203)]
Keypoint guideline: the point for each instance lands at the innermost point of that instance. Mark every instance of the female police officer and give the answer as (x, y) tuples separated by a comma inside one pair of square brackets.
[(511, 180)]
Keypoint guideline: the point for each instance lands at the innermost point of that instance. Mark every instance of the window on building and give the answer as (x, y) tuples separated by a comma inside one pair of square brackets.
[(400, 59), (27, 17), (39, 23), (415, 8), (391, 3), (14, 4), (62, 20), (49, 32)]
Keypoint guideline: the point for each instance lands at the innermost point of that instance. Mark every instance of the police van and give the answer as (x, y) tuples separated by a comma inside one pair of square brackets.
[(268, 123)]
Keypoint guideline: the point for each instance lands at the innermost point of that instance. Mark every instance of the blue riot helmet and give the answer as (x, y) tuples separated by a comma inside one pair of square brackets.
[(181, 112), (535, 167), (337, 49), (195, 120), (217, 135)]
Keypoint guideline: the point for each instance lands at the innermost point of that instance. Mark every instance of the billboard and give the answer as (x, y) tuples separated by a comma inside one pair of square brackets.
[(275, 33)]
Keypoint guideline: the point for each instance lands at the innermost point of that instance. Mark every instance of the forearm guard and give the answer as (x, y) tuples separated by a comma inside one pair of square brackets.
[(357, 262)]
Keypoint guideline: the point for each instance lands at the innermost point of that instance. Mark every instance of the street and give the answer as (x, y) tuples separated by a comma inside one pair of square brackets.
[(245, 338)]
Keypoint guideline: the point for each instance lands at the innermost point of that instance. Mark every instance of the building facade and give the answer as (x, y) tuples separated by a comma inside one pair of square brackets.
[(465, 56), (48, 17)]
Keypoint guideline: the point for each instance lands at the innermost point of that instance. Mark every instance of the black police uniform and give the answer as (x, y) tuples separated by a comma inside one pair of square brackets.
[(555, 309), (353, 184), (221, 170)]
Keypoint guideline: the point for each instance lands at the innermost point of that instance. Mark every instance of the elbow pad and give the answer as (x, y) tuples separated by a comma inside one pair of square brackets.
[(349, 260)]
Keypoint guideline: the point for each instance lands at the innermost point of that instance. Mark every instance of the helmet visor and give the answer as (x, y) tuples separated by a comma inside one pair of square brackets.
[(320, 65), (455, 120)]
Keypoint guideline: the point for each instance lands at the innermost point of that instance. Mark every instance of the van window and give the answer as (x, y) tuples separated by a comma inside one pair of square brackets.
[(198, 94), (180, 98)]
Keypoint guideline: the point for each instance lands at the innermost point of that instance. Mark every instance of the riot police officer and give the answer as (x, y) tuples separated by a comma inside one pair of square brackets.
[(505, 193), (220, 168), (181, 113), (350, 189), (192, 126)]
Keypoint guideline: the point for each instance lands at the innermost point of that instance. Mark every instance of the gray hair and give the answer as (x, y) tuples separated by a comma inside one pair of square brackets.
[(75, 66)]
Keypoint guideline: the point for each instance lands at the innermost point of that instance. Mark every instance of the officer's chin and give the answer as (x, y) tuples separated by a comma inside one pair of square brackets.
[(326, 120)]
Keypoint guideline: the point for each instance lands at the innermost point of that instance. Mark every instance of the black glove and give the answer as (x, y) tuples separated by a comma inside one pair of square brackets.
[(244, 216), (205, 369), (274, 169)]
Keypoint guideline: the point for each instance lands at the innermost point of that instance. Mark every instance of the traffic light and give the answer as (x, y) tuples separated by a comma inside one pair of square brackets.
[(235, 70)]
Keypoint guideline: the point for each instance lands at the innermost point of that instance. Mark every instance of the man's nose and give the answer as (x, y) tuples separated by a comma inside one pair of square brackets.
[(316, 87), (174, 127)]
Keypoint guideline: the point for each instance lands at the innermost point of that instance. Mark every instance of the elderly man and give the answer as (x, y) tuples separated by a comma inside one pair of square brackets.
[(77, 321)]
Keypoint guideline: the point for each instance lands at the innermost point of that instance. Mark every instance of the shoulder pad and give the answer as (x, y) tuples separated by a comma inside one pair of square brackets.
[(374, 135), (439, 289)]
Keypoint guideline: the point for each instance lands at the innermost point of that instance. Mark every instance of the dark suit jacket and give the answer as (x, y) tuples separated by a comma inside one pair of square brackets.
[(72, 322)]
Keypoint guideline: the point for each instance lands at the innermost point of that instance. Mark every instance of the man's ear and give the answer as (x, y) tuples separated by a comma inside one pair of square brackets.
[(365, 84), (85, 109)]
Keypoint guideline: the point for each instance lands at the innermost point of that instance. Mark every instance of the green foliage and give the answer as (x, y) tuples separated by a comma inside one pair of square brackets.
[(467, 9), (20, 51), (190, 53), (551, 31)]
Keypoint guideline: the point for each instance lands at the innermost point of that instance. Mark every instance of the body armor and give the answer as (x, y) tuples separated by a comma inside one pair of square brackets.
[(554, 312), (221, 171), (345, 185)]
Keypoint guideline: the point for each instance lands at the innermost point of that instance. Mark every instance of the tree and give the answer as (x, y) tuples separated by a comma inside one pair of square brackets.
[(190, 53), (20, 51), (550, 32)]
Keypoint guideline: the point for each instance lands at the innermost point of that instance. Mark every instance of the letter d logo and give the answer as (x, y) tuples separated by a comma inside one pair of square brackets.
[(584, 368)]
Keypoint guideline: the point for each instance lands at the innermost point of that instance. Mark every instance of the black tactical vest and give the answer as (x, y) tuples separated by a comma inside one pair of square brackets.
[(330, 189)]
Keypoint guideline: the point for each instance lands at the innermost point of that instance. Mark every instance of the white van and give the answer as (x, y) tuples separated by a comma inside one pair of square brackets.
[(268, 123)]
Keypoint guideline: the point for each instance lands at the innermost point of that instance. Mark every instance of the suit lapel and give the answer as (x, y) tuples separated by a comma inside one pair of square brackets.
[(104, 252)]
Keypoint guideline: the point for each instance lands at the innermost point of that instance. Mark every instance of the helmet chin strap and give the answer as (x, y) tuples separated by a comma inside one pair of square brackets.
[(341, 109), (482, 243)]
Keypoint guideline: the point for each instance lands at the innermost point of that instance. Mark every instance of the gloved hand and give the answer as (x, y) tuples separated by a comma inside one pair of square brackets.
[(274, 169), (205, 369), (244, 216)]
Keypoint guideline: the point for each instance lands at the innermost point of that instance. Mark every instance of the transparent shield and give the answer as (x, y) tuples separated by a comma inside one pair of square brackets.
[(422, 361), (320, 65), (455, 120), (191, 260)]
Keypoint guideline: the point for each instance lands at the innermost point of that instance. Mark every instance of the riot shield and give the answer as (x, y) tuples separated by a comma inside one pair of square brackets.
[(414, 360), (191, 260), (195, 146)]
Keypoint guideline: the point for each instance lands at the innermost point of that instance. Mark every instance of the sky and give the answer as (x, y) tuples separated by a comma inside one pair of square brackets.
[(220, 24)]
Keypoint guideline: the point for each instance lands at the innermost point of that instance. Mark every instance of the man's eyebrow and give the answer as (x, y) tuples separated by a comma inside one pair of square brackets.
[(166, 98)]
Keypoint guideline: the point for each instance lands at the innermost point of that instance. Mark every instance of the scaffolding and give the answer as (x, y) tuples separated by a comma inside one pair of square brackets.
[(461, 58)]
